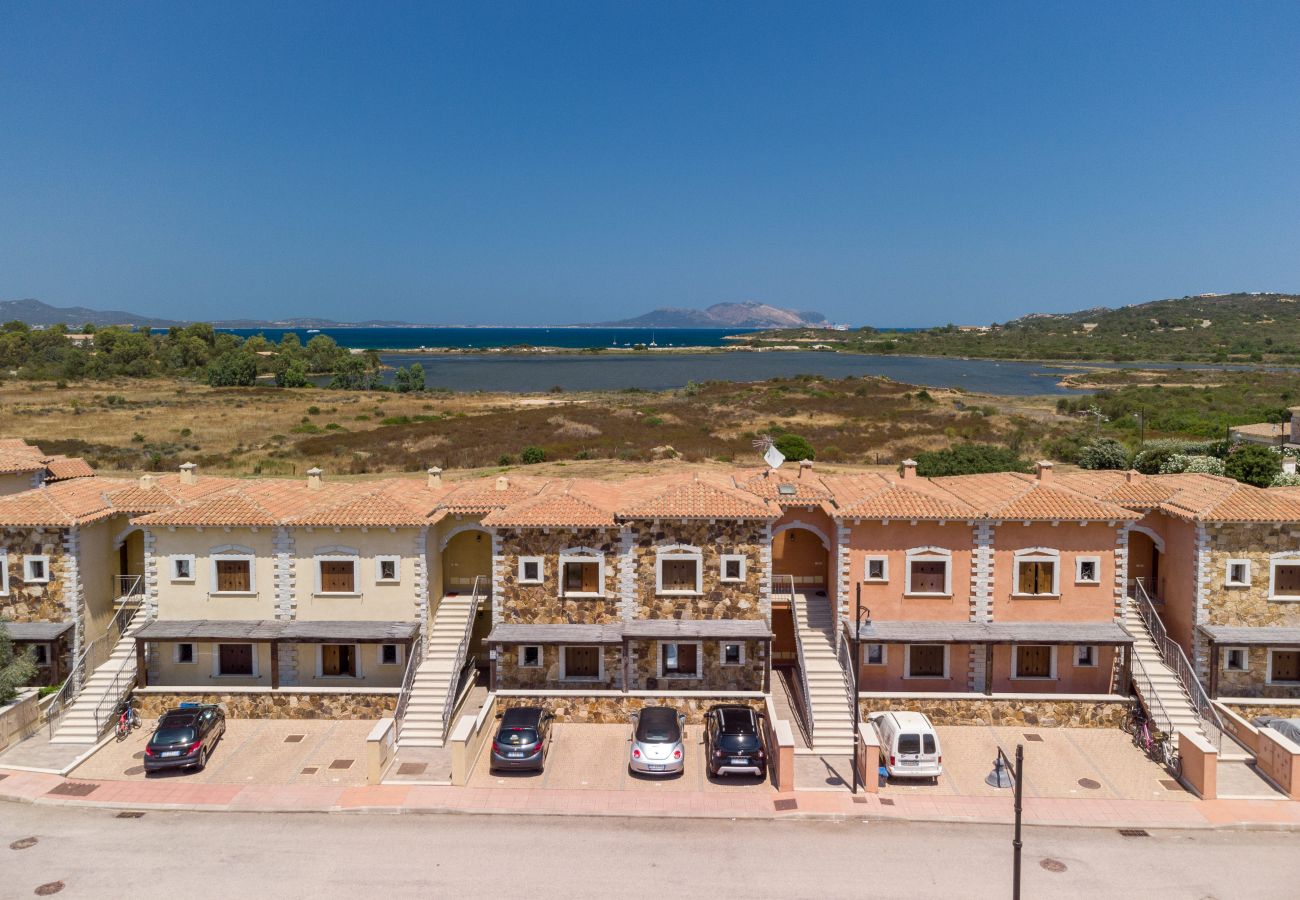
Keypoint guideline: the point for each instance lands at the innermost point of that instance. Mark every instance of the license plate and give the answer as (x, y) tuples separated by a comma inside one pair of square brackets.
[(514, 756), (170, 753), (740, 762), (909, 762), (655, 768)]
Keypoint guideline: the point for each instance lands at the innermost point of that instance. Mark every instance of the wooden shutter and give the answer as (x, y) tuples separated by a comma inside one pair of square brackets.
[(329, 659), (581, 662), (1286, 580), (1034, 662), (590, 584), (679, 574), (233, 575), (686, 659), (927, 661), (236, 659), (1286, 665), (337, 577), (928, 577)]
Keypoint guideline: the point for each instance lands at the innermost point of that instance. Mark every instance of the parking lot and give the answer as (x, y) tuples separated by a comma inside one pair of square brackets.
[(254, 751), (595, 757)]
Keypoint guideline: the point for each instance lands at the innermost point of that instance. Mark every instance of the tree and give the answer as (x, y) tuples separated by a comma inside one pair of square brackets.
[(1103, 453), (16, 669), (409, 379), (794, 447), (1253, 464), (233, 369), (969, 459), (532, 455), (291, 373)]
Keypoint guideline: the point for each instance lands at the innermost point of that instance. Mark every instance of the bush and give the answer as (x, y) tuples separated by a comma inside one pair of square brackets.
[(1181, 462), (237, 368), (1253, 464), (969, 459), (16, 669), (1282, 479), (505, 459), (794, 448), (532, 455), (1103, 453)]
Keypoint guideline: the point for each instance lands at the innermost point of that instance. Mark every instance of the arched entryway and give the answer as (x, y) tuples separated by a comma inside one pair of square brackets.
[(128, 579), (1145, 549), (467, 555), (803, 553)]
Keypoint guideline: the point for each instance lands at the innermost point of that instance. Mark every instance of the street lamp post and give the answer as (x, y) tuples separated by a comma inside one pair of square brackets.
[(856, 644), (1004, 771)]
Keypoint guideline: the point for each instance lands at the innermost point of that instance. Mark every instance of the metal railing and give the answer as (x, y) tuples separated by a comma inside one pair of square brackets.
[(806, 698), (1150, 697), (1174, 657), (128, 587), (449, 704), (118, 689), (414, 657), (96, 653)]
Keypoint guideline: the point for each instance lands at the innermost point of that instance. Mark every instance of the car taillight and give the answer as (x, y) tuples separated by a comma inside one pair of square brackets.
[(941, 759), (497, 748), (636, 753), (761, 754), (892, 761), (148, 751), (193, 747), (718, 754), (677, 754)]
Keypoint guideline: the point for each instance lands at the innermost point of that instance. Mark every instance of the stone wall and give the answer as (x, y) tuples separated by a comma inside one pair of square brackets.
[(512, 676), (274, 705), (1253, 682), (1249, 605), (541, 603), (979, 710), (618, 710), (34, 602), (719, 599), (1250, 712), (644, 668)]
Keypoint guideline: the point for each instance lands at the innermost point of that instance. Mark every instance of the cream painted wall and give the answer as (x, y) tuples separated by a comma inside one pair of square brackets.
[(374, 601), (199, 673), (98, 566), (190, 600), (372, 673)]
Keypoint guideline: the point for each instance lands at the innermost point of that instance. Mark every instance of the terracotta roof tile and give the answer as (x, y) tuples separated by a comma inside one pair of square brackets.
[(788, 487), (63, 503), (556, 509), (15, 462), (899, 501), (60, 468), (700, 499)]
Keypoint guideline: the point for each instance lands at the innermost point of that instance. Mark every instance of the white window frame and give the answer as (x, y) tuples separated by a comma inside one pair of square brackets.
[(4, 573), (320, 661), (928, 554), (379, 569), (1285, 558), (186, 558), (675, 676), (524, 561), (399, 659), (1229, 581), (907, 663), (1226, 655), (216, 659), (194, 654), (41, 558), (233, 554), (1268, 675), (540, 658), (884, 569), (1037, 555), (332, 555), (564, 662), (725, 558), (678, 553), (1015, 660), (1096, 656), (1078, 569), (866, 654), (582, 555), (722, 653)]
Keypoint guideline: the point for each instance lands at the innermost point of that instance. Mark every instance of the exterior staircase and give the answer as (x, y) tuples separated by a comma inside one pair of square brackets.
[(1158, 686), (436, 680), (823, 676), (95, 705)]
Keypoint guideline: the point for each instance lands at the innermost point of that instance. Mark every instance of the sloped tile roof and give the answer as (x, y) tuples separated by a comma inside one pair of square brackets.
[(1194, 496), (1011, 495), (15, 462), (700, 499), (556, 509), (483, 494), (61, 468), (899, 501), (788, 488), (63, 503)]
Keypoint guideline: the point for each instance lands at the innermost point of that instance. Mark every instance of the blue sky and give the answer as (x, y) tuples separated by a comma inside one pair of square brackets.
[(902, 163)]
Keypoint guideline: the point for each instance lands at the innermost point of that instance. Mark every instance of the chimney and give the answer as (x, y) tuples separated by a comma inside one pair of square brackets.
[(315, 478), (435, 477), (1044, 470), (907, 469), (148, 481), (502, 482), (189, 473), (1130, 476), (805, 465)]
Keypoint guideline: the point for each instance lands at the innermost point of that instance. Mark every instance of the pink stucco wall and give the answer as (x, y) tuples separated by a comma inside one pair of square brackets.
[(1076, 602), (887, 600)]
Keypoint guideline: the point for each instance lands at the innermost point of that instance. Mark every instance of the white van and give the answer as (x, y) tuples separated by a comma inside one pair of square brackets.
[(909, 747)]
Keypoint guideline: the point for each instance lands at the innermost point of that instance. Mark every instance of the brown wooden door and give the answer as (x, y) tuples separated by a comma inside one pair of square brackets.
[(233, 575), (1286, 665), (686, 659), (582, 662), (236, 659), (1034, 662), (337, 577), (338, 659)]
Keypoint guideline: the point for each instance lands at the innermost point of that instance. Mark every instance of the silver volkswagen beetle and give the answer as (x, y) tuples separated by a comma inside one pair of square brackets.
[(657, 747)]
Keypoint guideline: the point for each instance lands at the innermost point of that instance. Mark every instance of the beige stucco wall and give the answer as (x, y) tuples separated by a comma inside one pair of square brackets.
[(467, 554), (182, 600), (373, 674), (375, 601), (200, 673), (98, 567)]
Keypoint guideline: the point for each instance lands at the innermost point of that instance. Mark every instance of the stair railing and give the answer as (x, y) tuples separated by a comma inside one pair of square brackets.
[(1150, 697), (128, 587), (118, 689), (1172, 653), (806, 695), (95, 654), (414, 656), (449, 704)]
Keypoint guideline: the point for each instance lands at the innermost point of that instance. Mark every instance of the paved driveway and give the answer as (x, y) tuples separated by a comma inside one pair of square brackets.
[(254, 751), (594, 757), (1059, 762)]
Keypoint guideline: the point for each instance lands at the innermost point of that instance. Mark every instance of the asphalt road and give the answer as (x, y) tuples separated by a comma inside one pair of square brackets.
[(224, 855)]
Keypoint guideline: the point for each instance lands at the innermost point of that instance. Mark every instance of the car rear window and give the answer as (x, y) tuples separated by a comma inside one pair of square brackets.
[(929, 744), (518, 737), (738, 721), (909, 743), (657, 726), (738, 741), (173, 735)]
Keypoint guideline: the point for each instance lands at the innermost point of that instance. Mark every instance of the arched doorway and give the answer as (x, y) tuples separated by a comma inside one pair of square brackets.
[(467, 555), (1144, 552), (803, 554)]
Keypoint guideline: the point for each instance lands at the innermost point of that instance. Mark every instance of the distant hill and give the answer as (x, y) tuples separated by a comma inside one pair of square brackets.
[(34, 312), (722, 315)]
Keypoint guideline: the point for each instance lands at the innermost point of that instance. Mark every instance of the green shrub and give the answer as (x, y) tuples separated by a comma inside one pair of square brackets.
[(532, 455), (794, 448), (1103, 453), (969, 459), (1253, 464)]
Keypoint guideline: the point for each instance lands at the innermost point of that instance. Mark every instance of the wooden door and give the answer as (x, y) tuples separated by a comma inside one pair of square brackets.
[(233, 575), (1286, 665), (686, 659), (236, 659), (337, 577), (582, 662), (1034, 662)]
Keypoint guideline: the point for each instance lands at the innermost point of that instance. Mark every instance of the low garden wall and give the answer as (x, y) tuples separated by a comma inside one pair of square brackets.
[(1046, 711), (20, 718), (264, 703), (616, 707)]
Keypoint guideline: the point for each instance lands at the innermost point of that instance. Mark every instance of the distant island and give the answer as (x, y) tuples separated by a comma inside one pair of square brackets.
[(722, 315)]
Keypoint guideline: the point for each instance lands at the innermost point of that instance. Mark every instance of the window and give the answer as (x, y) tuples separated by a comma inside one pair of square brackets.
[(530, 656), (1036, 573), (184, 654), (36, 569), (337, 661), (390, 654), (1236, 659), (733, 567), (733, 654), (530, 570), (41, 654), (929, 572), (679, 660), (927, 661), (580, 577), (679, 573), (182, 568), (1087, 570), (1035, 661), (1285, 581), (1283, 666), (235, 659), (4, 573), (1085, 656), (1237, 573), (877, 569), (874, 655), (337, 576), (582, 664), (388, 569), (233, 574)]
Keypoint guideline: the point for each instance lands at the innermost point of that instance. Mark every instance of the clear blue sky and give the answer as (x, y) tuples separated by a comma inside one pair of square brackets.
[(533, 162)]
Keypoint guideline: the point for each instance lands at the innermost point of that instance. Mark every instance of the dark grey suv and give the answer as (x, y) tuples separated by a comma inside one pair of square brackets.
[(522, 740)]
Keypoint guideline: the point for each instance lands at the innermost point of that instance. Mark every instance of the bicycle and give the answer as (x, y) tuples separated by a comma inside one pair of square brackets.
[(127, 720), (1158, 745)]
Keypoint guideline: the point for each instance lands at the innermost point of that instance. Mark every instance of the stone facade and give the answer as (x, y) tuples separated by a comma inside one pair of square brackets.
[(34, 602), (618, 710), (1042, 712), (718, 599), (534, 604), (748, 676), (1250, 605), (275, 705), (512, 676), (1254, 681)]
